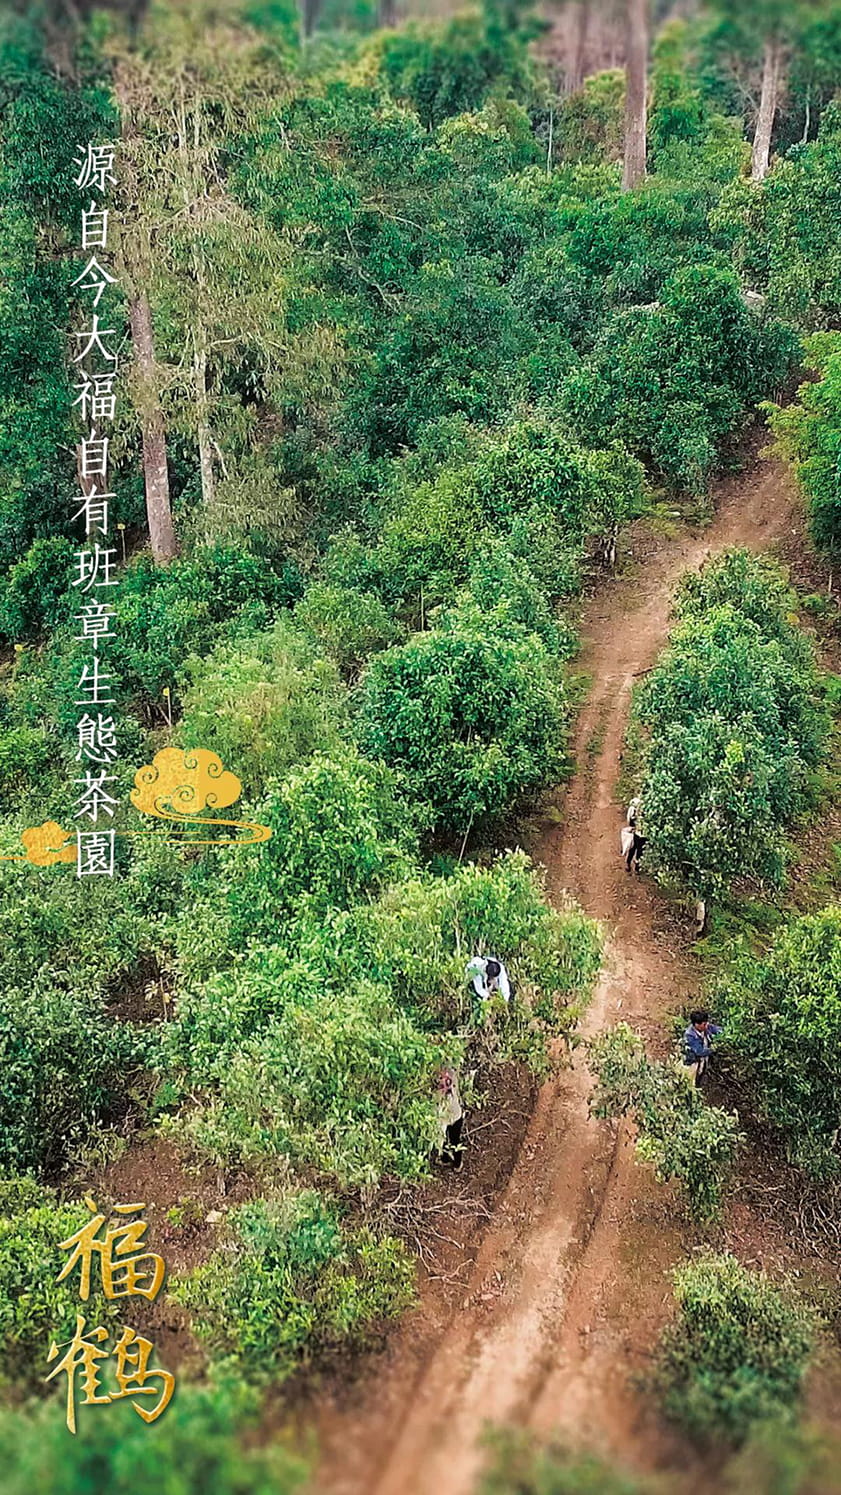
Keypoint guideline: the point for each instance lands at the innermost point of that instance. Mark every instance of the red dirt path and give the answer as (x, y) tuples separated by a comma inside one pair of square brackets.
[(570, 1284)]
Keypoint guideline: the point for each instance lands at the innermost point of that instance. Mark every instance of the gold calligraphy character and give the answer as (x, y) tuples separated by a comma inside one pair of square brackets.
[(83, 1354), (123, 1275), (131, 1353)]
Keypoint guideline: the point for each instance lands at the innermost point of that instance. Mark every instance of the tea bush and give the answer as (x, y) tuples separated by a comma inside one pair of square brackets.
[(323, 1048), (809, 433), (736, 729), (199, 1443), (63, 1067), (268, 701), (290, 1284), (339, 834), (679, 1133), (471, 719), (670, 380), (34, 1307), (520, 1465), (737, 1353), (330, 1077), (782, 1015)]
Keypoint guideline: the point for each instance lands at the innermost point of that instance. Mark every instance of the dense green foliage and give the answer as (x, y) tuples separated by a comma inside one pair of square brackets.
[(64, 1068), (34, 1307), (198, 1444), (519, 1465), (671, 380), (683, 1137), (737, 1353), (782, 1015), (472, 721), (735, 728), (809, 432), (785, 236), (290, 1282), (322, 1046)]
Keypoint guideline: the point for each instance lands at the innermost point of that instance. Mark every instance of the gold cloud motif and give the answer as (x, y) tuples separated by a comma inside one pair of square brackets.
[(182, 782), (176, 786), (179, 783), (47, 844)]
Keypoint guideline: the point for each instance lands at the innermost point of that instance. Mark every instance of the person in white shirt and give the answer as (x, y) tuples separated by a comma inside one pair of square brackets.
[(489, 978)]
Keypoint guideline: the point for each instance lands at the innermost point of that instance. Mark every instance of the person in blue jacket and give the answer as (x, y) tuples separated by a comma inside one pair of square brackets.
[(697, 1042)]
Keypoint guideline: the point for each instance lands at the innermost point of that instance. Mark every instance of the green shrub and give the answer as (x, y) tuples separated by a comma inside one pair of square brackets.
[(783, 237), (63, 1068), (26, 756), (737, 1353), (504, 587), (671, 381), (339, 833), (736, 728), (535, 465), (292, 1284), (782, 1017), (447, 69), (809, 433), (419, 934), (428, 542), (679, 1133), (333, 1077), (530, 479), (164, 614), (324, 1049), (591, 120), (473, 721), (263, 704), (199, 1444), (34, 1307), (520, 1465), (348, 623), (80, 932), (755, 587), (34, 596), (779, 1459)]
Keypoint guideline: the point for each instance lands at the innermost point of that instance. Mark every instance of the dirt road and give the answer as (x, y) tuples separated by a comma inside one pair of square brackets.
[(570, 1285)]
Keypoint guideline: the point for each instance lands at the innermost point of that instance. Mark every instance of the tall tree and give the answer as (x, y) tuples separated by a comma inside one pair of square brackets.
[(135, 276), (636, 93), (759, 38), (578, 44), (194, 83), (310, 12), (772, 72)]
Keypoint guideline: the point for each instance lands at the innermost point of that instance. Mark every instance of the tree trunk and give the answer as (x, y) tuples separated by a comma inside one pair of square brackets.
[(134, 259), (155, 471), (208, 481), (387, 15), (310, 12), (771, 68), (577, 45), (636, 94), (192, 175)]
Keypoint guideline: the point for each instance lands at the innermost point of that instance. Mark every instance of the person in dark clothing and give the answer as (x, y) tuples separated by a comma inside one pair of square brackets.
[(451, 1118), (697, 1042), (633, 839), (635, 851)]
